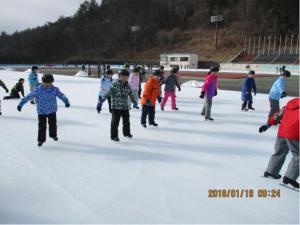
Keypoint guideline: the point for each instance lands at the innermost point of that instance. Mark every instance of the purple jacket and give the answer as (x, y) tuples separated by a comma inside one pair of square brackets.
[(210, 85)]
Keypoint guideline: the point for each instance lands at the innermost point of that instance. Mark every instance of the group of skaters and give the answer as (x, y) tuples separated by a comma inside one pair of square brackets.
[(124, 91)]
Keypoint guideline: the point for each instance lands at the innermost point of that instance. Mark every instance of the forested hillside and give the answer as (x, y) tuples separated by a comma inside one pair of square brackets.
[(104, 32)]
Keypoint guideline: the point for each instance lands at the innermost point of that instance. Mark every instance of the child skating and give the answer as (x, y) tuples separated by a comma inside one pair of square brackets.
[(119, 93), (150, 94), (248, 86), (33, 80), (18, 88), (46, 102), (6, 90), (287, 141), (170, 83), (209, 90), (105, 84)]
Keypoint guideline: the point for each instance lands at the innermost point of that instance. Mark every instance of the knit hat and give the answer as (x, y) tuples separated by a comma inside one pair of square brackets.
[(157, 73), (124, 72)]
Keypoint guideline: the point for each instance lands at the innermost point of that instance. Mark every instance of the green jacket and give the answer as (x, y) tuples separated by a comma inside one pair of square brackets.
[(119, 93), (3, 85)]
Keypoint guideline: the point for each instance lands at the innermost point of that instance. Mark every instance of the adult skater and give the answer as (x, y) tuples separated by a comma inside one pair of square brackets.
[(209, 90), (33, 80), (170, 83), (46, 95), (119, 93), (5, 88), (287, 140), (18, 88), (105, 84), (278, 91), (150, 94), (248, 86)]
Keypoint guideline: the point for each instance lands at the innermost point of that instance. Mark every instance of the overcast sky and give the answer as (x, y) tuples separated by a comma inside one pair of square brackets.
[(23, 14)]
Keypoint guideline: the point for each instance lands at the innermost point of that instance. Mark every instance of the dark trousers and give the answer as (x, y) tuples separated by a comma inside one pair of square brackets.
[(148, 111), (12, 96), (244, 105), (115, 120), (43, 126), (109, 102)]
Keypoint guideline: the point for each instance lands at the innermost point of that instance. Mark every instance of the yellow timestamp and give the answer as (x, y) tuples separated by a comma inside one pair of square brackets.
[(244, 193)]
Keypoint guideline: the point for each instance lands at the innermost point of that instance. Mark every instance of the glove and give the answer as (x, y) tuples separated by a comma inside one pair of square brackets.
[(179, 88), (148, 103), (202, 94), (159, 98), (19, 108), (283, 94), (263, 128), (135, 105), (67, 105), (216, 93)]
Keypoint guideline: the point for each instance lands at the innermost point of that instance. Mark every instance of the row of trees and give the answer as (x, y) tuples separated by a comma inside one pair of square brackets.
[(105, 30)]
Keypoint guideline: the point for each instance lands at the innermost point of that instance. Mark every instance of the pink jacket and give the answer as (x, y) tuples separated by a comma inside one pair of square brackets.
[(134, 81)]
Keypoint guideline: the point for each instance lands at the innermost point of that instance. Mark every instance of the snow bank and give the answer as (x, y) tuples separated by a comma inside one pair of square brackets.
[(193, 83), (81, 74)]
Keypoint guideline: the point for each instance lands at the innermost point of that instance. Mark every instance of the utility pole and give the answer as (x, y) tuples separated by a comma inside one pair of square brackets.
[(216, 19)]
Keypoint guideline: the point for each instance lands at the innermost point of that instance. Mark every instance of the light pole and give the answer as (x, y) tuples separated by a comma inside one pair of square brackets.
[(216, 19), (135, 29)]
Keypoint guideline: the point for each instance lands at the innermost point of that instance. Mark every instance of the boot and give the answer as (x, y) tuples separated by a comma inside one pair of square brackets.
[(115, 139), (244, 106), (287, 180), (267, 174), (40, 144), (153, 124), (250, 106)]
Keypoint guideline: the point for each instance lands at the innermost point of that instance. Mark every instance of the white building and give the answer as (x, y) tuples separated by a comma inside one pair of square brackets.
[(183, 60)]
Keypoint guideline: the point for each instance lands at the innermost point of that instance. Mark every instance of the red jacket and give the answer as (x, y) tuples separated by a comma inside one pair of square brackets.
[(289, 120)]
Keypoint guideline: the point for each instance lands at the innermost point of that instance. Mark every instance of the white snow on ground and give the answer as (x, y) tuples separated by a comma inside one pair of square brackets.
[(81, 74), (193, 83), (162, 175)]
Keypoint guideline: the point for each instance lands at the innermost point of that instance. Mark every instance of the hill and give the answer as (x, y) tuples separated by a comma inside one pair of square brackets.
[(104, 32)]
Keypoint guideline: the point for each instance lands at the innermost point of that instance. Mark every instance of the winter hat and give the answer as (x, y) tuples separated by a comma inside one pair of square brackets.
[(21, 79), (175, 69), (214, 68), (252, 72), (126, 65), (286, 73), (124, 72), (48, 78), (34, 68), (161, 67), (157, 73), (109, 72), (136, 70)]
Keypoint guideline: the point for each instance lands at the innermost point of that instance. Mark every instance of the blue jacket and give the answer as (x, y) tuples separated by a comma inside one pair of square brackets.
[(277, 88), (249, 84), (45, 99), (105, 83), (33, 79)]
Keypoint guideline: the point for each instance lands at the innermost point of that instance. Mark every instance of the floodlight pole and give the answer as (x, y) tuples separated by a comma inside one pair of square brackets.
[(216, 19)]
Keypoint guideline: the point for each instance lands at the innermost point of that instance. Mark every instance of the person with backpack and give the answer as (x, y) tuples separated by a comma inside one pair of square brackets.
[(45, 95), (209, 90), (150, 94), (287, 141), (14, 93), (248, 86)]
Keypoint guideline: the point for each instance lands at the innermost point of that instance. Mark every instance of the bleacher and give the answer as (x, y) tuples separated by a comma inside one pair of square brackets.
[(264, 59), (268, 59), (288, 59)]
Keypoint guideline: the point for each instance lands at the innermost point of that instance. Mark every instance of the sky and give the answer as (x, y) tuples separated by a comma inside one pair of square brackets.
[(22, 14)]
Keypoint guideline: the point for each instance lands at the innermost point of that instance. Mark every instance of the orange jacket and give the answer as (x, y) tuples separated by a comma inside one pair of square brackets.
[(151, 91)]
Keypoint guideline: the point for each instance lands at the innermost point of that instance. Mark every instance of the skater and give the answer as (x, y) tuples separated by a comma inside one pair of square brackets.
[(287, 140), (162, 70), (278, 91), (119, 93), (6, 90), (33, 80), (14, 93), (150, 94), (45, 95), (105, 84), (170, 83), (209, 90), (248, 85), (134, 82)]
